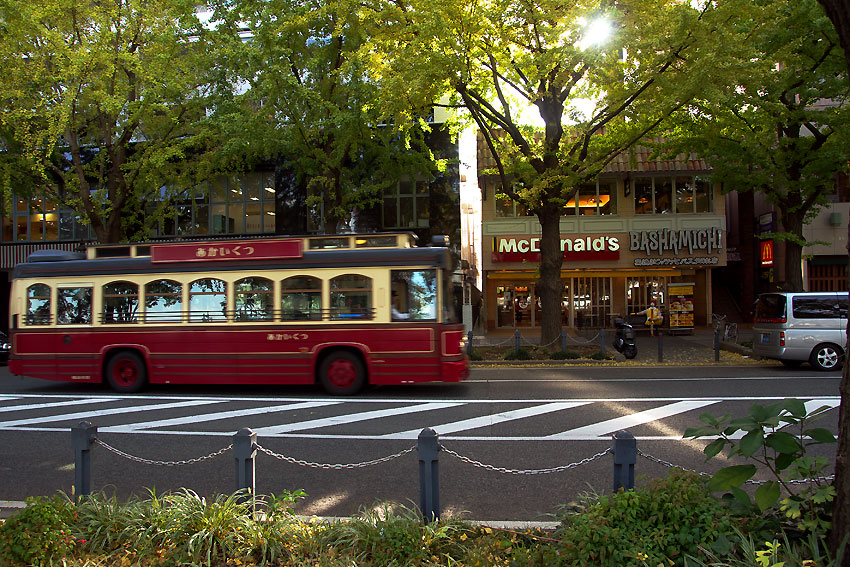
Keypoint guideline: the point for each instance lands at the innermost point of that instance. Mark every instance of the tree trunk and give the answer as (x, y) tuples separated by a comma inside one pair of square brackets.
[(549, 286), (840, 531), (793, 276)]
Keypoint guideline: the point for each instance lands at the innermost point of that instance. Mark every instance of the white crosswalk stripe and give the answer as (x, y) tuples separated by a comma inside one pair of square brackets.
[(133, 427), (351, 418), (487, 420), (612, 425), (451, 419), (103, 413)]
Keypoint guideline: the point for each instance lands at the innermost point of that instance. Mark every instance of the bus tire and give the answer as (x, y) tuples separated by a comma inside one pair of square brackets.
[(126, 372), (342, 373), (826, 357)]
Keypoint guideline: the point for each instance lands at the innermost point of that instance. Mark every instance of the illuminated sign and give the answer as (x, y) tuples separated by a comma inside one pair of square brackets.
[(581, 248), (667, 240), (766, 253), (229, 250)]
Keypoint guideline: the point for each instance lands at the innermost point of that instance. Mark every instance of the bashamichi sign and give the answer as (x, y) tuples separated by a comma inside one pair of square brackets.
[(227, 250)]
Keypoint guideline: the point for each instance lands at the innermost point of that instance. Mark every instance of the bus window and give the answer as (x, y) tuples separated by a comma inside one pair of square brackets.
[(417, 293), (74, 306), (351, 297), (301, 298), (120, 302), (163, 301), (38, 304), (253, 299), (207, 300)]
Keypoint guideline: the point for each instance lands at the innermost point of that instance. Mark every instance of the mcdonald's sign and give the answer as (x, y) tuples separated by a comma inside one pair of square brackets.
[(766, 253)]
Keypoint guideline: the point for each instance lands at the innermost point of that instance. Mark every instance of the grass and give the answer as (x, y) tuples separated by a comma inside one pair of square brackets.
[(672, 522)]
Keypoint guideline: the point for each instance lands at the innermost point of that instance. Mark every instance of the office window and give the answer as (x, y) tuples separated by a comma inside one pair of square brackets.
[(406, 205)]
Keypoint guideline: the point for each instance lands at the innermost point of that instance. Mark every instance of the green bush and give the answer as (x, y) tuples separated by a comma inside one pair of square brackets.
[(475, 355), (568, 355), (40, 534), (599, 355), (520, 354), (654, 525)]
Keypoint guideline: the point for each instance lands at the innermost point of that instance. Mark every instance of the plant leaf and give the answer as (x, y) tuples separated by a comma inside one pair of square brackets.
[(752, 442), (730, 477), (783, 442), (821, 435), (767, 495)]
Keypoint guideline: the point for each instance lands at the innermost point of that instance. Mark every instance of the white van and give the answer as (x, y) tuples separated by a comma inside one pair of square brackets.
[(799, 327)]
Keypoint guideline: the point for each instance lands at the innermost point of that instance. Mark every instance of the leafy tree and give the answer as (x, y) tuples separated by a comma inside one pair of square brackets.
[(777, 125), (499, 59), (838, 12), (100, 104), (308, 103)]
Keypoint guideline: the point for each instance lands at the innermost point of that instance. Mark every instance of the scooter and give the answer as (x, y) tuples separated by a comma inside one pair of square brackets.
[(624, 339)]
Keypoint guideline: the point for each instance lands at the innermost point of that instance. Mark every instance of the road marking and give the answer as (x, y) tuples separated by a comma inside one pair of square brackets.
[(56, 404), (132, 427), (350, 418), (487, 420), (100, 413), (611, 425)]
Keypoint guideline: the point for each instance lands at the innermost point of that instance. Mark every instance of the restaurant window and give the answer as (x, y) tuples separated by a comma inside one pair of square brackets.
[(653, 195), (693, 195), (598, 198)]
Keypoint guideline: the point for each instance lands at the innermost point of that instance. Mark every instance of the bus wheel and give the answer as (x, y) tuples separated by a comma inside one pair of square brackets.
[(342, 373), (126, 372)]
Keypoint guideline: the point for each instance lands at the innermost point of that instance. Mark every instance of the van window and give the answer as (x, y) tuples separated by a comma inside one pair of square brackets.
[(815, 307), (770, 308)]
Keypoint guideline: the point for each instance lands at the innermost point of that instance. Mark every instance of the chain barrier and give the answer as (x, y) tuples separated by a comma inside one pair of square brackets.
[(121, 453), (329, 466), (668, 464), (492, 468)]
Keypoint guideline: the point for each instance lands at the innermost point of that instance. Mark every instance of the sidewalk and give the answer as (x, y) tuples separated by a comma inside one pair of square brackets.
[(678, 348)]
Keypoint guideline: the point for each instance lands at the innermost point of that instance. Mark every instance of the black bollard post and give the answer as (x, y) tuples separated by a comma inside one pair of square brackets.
[(516, 341), (563, 341), (625, 455), (469, 343), (244, 451), (83, 436), (602, 341), (716, 345), (660, 346), (428, 446)]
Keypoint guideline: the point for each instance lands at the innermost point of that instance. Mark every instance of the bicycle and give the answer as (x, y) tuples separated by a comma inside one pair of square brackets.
[(728, 331)]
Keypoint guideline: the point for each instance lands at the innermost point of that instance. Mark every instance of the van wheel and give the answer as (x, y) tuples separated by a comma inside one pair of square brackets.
[(827, 357), (342, 373), (126, 372)]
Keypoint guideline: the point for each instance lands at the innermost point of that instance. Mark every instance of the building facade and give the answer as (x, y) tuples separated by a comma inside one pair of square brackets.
[(646, 230)]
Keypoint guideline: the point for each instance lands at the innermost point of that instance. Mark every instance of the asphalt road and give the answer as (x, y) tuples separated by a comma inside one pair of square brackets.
[(503, 429)]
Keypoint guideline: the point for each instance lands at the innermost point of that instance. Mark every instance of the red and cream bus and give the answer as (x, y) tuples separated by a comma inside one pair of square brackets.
[(266, 311)]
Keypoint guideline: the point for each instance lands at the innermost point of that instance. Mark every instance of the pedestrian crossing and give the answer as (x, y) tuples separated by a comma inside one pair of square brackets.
[(376, 419)]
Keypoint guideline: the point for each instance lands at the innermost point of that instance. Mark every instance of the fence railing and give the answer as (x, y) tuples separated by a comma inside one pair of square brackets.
[(244, 447)]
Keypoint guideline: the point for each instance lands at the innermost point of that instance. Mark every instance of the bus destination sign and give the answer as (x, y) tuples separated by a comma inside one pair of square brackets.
[(227, 251)]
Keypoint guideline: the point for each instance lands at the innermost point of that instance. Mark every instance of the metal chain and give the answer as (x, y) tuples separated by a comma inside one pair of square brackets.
[(121, 453), (328, 466), (520, 472), (668, 464)]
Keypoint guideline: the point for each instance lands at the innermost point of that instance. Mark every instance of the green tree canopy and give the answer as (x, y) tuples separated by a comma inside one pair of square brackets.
[(308, 102), (778, 124), (591, 100), (102, 103)]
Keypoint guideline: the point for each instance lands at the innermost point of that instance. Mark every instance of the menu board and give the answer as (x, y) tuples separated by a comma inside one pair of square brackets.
[(681, 297)]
